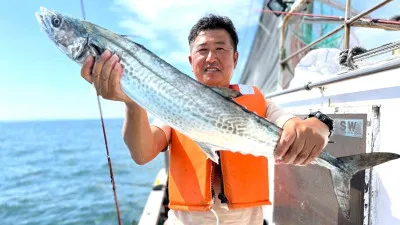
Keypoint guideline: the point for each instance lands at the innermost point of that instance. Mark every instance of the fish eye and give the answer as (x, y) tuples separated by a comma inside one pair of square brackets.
[(56, 21)]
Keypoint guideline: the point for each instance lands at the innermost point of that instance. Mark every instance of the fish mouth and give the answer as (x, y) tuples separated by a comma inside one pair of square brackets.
[(41, 21), (76, 50), (40, 17)]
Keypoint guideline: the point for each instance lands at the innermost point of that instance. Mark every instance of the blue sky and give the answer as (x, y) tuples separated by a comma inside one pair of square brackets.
[(38, 82)]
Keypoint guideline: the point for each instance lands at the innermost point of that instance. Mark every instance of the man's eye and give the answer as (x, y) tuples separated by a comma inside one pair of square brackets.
[(202, 50)]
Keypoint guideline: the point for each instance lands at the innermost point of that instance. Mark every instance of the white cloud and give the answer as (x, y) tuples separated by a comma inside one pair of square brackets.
[(183, 14), (163, 25)]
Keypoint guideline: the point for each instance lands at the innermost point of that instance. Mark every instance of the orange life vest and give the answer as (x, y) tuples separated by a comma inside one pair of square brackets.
[(245, 177)]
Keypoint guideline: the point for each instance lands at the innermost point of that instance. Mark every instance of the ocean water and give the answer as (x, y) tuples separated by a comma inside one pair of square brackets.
[(56, 172)]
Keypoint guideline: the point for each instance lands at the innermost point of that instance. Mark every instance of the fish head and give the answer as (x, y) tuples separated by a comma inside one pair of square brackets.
[(69, 34)]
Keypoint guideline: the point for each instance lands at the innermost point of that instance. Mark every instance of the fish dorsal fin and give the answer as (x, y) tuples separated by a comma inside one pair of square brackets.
[(128, 36), (227, 92)]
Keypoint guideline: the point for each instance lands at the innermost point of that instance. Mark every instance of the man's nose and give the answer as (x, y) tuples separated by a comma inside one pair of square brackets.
[(211, 56)]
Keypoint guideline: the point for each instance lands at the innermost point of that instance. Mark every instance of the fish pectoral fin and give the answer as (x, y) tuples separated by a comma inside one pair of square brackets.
[(209, 150), (227, 92)]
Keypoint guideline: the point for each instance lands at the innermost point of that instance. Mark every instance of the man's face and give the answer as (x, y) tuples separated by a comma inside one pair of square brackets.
[(213, 57)]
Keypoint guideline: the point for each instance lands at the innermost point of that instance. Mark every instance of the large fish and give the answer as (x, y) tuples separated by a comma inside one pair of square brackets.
[(207, 115)]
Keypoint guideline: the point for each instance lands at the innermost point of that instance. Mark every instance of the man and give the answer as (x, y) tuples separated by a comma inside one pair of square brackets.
[(213, 57)]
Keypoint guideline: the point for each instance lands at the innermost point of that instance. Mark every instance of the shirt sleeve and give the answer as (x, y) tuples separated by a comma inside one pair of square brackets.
[(277, 115), (163, 126)]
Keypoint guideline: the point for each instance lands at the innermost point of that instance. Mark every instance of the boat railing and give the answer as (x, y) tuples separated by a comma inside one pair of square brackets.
[(347, 23), (347, 76)]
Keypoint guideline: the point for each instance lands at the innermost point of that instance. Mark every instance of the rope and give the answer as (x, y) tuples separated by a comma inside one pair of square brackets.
[(349, 56), (379, 50), (346, 56)]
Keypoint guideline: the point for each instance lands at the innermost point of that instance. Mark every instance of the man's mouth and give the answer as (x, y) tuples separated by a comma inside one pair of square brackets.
[(211, 70)]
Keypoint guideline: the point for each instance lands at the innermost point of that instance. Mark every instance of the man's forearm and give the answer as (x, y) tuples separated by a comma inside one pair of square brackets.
[(137, 134)]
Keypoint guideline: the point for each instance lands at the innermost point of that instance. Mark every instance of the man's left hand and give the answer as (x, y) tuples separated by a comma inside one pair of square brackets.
[(301, 141)]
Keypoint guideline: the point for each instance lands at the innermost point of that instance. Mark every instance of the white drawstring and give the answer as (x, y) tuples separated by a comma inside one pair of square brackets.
[(216, 216)]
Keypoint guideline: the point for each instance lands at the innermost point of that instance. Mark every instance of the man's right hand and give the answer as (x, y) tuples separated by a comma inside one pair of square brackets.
[(144, 142), (105, 73)]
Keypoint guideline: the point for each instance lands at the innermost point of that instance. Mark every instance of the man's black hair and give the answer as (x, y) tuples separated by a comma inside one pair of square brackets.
[(212, 22)]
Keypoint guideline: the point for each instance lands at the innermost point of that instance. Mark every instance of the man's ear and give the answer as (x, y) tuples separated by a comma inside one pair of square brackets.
[(190, 61), (235, 58)]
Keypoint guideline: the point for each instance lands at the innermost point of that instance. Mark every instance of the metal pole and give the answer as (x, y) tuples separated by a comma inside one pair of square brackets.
[(313, 43), (338, 5), (366, 12), (358, 23), (347, 76), (297, 6), (346, 42), (336, 30)]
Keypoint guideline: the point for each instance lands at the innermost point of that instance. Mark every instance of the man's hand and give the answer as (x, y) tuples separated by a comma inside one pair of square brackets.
[(301, 141), (105, 74)]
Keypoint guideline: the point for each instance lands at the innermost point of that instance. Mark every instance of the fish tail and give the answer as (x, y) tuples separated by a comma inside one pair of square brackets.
[(342, 170)]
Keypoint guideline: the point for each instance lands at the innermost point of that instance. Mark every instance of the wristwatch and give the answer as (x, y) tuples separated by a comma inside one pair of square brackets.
[(323, 118)]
